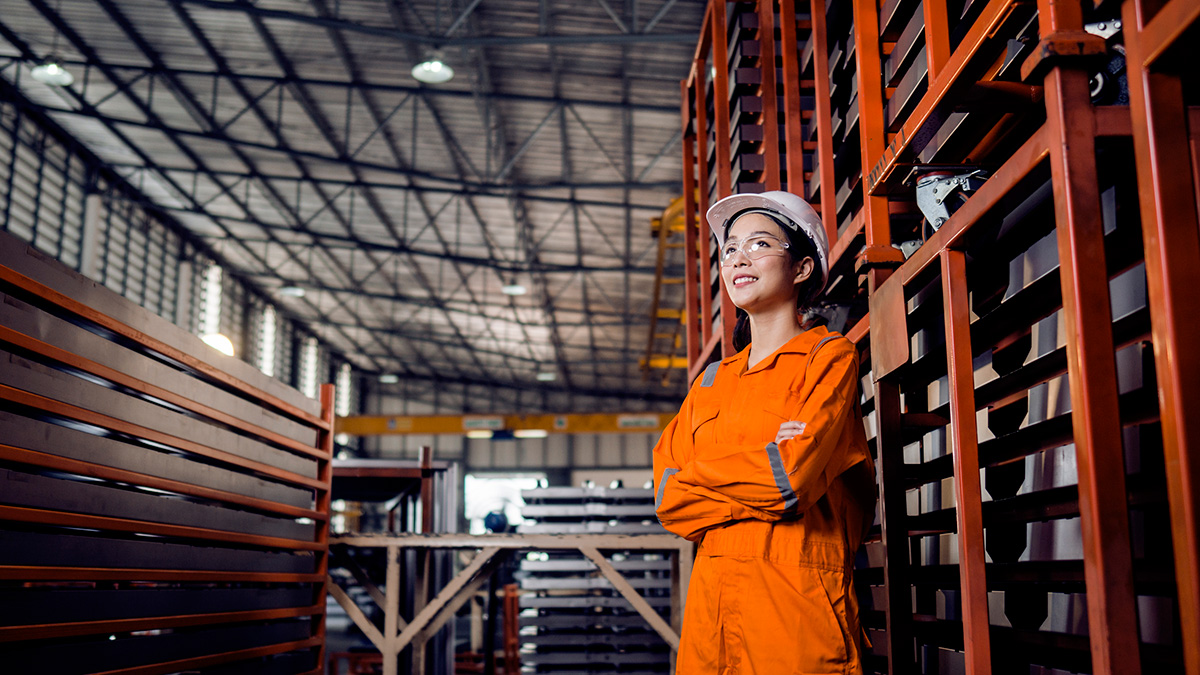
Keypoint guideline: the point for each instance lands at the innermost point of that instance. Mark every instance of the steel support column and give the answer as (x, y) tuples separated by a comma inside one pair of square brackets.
[(770, 97), (1171, 234), (691, 254), (1092, 374), (823, 119), (789, 54), (968, 496), (699, 81), (872, 128), (721, 134), (893, 513)]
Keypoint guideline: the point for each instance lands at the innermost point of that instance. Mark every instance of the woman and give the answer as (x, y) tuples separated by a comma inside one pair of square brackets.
[(766, 464)]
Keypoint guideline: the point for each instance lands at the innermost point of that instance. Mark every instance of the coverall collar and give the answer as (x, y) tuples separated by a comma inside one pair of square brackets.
[(801, 344)]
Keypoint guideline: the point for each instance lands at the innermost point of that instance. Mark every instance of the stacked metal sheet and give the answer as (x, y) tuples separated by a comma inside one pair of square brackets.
[(572, 619), (589, 510)]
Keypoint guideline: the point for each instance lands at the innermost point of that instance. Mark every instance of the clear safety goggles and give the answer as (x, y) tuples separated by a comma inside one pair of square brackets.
[(755, 247)]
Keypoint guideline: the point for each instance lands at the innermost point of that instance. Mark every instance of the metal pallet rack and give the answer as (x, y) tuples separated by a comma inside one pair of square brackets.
[(572, 618), (163, 508), (1034, 326)]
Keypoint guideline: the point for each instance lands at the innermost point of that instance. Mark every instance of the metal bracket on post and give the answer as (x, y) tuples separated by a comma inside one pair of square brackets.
[(877, 257), (935, 189), (1063, 45)]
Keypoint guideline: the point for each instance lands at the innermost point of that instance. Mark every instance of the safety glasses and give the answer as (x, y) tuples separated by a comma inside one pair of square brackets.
[(755, 247)]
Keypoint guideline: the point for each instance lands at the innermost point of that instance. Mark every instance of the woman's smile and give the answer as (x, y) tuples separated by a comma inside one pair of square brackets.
[(742, 278)]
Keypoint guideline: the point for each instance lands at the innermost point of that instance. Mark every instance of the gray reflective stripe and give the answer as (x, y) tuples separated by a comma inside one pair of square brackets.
[(710, 374), (825, 339), (667, 473), (790, 501)]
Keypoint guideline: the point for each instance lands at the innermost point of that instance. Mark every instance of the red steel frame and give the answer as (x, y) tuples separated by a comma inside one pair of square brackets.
[(1171, 232), (1108, 564), (967, 491), (702, 341), (1169, 184)]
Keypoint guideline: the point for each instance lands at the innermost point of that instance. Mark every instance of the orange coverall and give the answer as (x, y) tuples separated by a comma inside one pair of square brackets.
[(778, 524)]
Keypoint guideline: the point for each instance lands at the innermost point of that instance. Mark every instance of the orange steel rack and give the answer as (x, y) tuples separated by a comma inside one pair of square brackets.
[(1042, 327), (163, 508)]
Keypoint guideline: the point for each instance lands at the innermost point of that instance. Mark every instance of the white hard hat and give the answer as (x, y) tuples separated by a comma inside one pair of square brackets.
[(790, 209)]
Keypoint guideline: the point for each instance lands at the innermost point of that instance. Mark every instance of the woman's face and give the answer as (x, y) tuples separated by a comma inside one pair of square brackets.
[(769, 279)]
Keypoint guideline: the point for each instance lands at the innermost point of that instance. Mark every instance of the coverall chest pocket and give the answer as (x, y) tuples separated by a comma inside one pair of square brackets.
[(704, 423)]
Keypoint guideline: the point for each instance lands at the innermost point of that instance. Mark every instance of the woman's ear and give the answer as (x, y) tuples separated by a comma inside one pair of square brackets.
[(804, 269)]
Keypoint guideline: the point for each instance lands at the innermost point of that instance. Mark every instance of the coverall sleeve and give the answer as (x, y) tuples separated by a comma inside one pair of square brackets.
[(788, 477), (685, 509)]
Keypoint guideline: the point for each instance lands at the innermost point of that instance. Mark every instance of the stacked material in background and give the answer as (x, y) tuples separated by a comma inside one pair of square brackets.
[(572, 619)]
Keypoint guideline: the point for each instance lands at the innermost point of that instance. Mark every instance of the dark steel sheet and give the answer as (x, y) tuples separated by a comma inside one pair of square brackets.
[(56, 548), (100, 653), (101, 301), (905, 51), (21, 373), (25, 432), (45, 605), (35, 491), (34, 322)]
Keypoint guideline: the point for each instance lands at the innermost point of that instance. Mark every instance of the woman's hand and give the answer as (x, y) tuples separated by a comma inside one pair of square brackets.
[(788, 430)]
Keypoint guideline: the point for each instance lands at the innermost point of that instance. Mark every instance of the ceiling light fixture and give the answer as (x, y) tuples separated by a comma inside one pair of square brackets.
[(531, 433), (433, 70), (389, 378), (52, 73), (547, 376), (219, 342), (479, 433), (292, 291), (513, 289)]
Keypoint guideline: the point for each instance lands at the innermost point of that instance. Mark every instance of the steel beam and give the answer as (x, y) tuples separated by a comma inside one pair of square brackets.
[(704, 242), (723, 165), (366, 86), (1166, 173), (1092, 373), (872, 128), (792, 126), (89, 53), (824, 119), (439, 40), (767, 90), (563, 423), (691, 256), (344, 160), (893, 515), (911, 137), (968, 495)]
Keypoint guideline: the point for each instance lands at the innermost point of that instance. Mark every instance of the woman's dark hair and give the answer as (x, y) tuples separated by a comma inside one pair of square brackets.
[(800, 246)]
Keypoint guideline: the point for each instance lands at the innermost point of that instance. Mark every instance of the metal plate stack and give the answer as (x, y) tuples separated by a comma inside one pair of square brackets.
[(572, 619), (589, 510)]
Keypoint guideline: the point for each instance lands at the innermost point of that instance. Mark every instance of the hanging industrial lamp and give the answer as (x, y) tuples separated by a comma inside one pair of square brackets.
[(51, 72), (433, 70)]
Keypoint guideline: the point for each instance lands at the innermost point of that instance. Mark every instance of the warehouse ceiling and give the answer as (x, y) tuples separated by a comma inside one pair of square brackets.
[(291, 136)]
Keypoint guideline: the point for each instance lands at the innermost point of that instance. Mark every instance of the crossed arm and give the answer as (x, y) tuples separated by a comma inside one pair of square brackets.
[(707, 485)]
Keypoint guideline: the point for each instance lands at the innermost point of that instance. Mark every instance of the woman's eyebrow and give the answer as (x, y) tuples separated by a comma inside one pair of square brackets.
[(752, 234)]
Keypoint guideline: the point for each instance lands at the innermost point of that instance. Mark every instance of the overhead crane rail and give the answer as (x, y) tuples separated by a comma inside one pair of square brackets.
[(1037, 324), (499, 425)]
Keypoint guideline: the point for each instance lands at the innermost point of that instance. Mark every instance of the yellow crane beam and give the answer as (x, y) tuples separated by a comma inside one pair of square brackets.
[(503, 425)]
